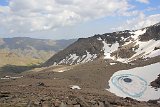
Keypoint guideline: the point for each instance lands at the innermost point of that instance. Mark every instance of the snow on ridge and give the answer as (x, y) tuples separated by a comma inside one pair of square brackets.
[(153, 54), (144, 50), (99, 38), (135, 83), (108, 50), (137, 33), (157, 24), (74, 59), (89, 57)]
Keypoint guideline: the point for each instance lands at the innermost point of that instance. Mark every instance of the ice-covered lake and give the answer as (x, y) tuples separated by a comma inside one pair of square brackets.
[(135, 83)]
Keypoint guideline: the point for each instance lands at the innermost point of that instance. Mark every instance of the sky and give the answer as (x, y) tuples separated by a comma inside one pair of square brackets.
[(66, 19)]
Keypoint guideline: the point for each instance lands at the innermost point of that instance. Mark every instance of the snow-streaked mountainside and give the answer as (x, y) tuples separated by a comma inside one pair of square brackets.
[(135, 83), (123, 46)]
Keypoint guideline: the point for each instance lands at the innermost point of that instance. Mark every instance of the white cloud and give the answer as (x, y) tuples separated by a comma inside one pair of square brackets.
[(143, 1), (138, 22), (151, 9), (33, 15)]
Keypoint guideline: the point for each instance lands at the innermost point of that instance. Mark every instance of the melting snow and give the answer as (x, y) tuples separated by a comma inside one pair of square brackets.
[(89, 57), (146, 48), (112, 63), (137, 33), (99, 38), (5, 78), (153, 54), (61, 70), (73, 58), (75, 87), (108, 50), (135, 83), (10, 77)]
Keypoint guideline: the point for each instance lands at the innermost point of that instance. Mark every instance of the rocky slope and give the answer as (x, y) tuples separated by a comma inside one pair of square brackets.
[(56, 86), (123, 46)]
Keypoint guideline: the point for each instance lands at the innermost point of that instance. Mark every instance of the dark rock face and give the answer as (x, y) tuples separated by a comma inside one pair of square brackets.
[(152, 32), (152, 101), (156, 83), (156, 48), (123, 53)]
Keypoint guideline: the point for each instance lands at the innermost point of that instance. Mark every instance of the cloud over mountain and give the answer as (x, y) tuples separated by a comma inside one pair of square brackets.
[(33, 15)]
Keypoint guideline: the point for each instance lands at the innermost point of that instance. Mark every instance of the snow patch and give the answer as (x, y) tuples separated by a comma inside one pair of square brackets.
[(89, 57), (99, 38), (10, 77), (137, 33), (146, 48), (112, 63), (74, 59), (61, 71), (153, 54), (108, 50), (75, 87)]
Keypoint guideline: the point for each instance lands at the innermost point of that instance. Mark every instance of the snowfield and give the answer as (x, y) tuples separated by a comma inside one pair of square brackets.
[(135, 83)]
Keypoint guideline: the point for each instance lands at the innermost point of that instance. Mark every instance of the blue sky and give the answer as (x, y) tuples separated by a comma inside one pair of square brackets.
[(4, 2), (64, 19)]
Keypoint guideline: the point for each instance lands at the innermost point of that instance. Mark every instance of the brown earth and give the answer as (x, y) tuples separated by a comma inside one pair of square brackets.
[(46, 87)]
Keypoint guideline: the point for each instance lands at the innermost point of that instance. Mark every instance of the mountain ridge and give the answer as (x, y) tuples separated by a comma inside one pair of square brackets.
[(120, 45)]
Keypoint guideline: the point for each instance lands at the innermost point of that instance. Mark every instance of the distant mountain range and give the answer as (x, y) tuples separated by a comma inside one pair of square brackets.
[(30, 48)]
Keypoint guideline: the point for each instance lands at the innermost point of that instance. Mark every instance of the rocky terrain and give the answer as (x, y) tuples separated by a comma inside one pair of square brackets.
[(82, 75), (53, 86)]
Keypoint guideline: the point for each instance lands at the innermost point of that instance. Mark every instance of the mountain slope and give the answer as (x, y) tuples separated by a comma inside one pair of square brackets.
[(25, 50), (38, 44), (127, 61), (124, 46)]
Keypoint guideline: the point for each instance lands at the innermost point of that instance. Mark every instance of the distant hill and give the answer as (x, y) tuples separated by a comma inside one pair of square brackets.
[(29, 50)]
